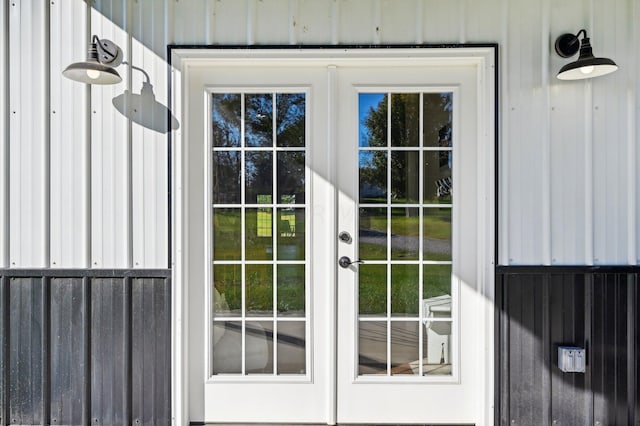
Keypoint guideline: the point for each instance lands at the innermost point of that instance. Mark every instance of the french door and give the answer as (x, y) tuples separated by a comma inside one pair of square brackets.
[(338, 221)]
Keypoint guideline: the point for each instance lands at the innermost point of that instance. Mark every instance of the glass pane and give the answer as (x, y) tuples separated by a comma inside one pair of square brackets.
[(291, 240), (404, 290), (259, 234), (291, 175), (227, 290), (405, 233), (437, 233), (438, 184), (227, 234), (372, 119), (438, 108), (227, 347), (226, 112), (259, 347), (258, 177), (259, 120), (372, 241), (436, 283), (372, 290), (405, 345), (227, 172), (259, 290), (291, 348), (405, 119), (290, 119), (291, 290), (437, 348), (372, 347), (405, 177), (373, 177)]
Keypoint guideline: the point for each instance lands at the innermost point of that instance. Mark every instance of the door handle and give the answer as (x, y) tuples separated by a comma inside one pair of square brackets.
[(345, 262)]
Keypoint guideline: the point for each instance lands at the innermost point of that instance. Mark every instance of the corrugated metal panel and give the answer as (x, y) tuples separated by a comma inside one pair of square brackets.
[(29, 126), (569, 189), (110, 151), (70, 150), (4, 136)]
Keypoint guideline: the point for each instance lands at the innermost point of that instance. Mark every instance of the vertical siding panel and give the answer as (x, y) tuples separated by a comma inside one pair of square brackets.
[(504, 150), (25, 362), (271, 25), (608, 39), (149, 147), (69, 145), (4, 136), (567, 145), (151, 347), (29, 102), (525, 161), (108, 352), (68, 315), (356, 22), (398, 24), (483, 21), (441, 21), (632, 127), (226, 30), (634, 53), (314, 21), (110, 151), (191, 20)]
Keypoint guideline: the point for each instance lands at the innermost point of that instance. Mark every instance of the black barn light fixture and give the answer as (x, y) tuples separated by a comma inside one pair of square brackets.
[(587, 65), (102, 57)]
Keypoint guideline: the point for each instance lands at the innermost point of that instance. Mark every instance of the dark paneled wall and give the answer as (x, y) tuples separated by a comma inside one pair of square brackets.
[(85, 347), (541, 308)]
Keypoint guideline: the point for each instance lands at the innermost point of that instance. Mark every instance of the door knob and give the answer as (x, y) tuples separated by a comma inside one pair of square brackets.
[(345, 262)]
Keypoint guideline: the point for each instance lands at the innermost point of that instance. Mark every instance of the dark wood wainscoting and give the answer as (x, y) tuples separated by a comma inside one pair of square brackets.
[(82, 347), (541, 308)]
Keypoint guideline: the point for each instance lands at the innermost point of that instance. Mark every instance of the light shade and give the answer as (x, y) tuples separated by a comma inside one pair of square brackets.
[(587, 65), (93, 70)]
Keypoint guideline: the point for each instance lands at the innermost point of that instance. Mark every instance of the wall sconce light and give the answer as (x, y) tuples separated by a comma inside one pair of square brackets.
[(103, 56), (587, 65)]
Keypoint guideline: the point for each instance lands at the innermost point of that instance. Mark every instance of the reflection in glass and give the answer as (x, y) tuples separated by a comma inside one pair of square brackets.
[(290, 119), (437, 233), (227, 347), (225, 118), (436, 281), (404, 290), (227, 290), (259, 120), (373, 176), (405, 342), (405, 177), (372, 347), (405, 233), (438, 108), (227, 234), (291, 176), (259, 347), (372, 119), (437, 349), (226, 177), (291, 290), (405, 119), (258, 177), (259, 290), (372, 241), (438, 184), (372, 290), (291, 347), (291, 234), (258, 234)]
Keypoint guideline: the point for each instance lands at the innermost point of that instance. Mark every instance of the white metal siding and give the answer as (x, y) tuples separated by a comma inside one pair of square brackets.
[(568, 150)]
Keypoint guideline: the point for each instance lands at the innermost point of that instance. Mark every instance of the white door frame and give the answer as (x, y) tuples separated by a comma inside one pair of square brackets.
[(184, 59)]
